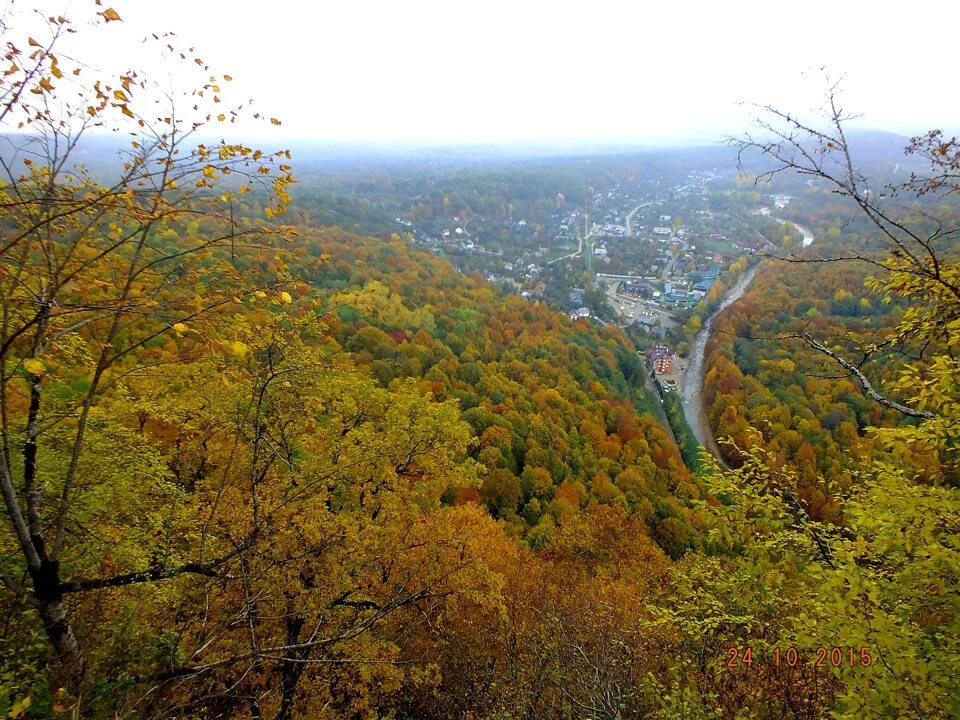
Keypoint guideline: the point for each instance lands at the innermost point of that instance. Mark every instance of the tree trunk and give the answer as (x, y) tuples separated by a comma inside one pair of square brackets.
[(291, 668), (73, 665)]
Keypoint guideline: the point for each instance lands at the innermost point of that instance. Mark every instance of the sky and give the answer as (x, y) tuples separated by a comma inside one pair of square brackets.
[(497, 71)]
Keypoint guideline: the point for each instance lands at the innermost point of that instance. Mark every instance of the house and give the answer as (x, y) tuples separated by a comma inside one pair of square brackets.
[(663, 365), (711, 273), (662, 231), (636, 288), (656, 354), (580, 313), (753, 246)]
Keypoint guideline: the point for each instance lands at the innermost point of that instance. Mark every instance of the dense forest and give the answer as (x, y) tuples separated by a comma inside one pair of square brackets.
[(260, 462)]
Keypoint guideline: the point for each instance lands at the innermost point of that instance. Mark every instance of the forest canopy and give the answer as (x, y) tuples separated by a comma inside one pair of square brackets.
[(257, 466)]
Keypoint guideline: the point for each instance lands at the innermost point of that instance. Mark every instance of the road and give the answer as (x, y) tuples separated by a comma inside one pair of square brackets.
[(588, 253), (632, 213), (581, 241), (807, 235), (573, 254)]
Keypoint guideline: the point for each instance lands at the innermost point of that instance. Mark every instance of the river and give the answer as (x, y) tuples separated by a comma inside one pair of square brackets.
[(691, 398)]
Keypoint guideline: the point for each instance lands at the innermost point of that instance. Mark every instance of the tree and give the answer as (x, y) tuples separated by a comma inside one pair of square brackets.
[(97, 271), (885, 578)]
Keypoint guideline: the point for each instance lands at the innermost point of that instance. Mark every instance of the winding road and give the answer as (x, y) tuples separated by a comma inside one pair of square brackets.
[(631, 214)]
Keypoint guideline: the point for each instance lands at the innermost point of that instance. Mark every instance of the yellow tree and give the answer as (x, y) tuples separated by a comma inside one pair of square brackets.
[(95, 267), (307, 516)]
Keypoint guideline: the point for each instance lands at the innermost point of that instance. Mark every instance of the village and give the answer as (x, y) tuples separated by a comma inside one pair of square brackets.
[(641, 256)]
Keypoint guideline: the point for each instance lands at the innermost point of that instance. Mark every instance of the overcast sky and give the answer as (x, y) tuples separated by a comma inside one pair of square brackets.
[(498, 70)]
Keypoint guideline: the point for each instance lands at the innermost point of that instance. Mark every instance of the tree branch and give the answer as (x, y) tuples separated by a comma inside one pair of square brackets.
[(864, 381)]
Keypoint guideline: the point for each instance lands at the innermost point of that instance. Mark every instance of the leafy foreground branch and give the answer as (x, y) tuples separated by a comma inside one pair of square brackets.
[(886, 576)]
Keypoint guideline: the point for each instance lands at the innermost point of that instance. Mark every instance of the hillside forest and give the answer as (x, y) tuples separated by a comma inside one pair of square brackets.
[(265, 454)]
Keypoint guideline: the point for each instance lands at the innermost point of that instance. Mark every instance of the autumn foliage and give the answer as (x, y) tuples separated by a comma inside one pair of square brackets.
[(253, 469)]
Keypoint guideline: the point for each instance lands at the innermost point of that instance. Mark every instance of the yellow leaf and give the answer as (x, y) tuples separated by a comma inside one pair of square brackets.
[(34, 367), (238, 348), (180, 328), (275, 121), (285, 296), (260, 294), (109, 14), (20, 707)]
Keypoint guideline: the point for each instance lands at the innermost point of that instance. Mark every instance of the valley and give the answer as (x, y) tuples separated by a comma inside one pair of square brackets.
[(444, 386)]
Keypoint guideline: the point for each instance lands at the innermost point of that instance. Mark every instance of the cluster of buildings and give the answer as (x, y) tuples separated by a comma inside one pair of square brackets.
[(684, 289), (754, 245), (664, 365)]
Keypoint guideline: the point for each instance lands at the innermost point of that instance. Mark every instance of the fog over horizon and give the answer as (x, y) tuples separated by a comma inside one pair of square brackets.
[(537, 74)]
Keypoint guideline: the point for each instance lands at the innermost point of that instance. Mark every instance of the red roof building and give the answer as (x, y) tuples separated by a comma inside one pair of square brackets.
[(663, 364)]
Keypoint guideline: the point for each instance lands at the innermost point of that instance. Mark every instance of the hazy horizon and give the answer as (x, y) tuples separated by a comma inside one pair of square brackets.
[(429, 73)]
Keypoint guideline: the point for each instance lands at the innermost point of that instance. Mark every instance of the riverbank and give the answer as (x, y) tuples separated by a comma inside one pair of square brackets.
[(692, 401)]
